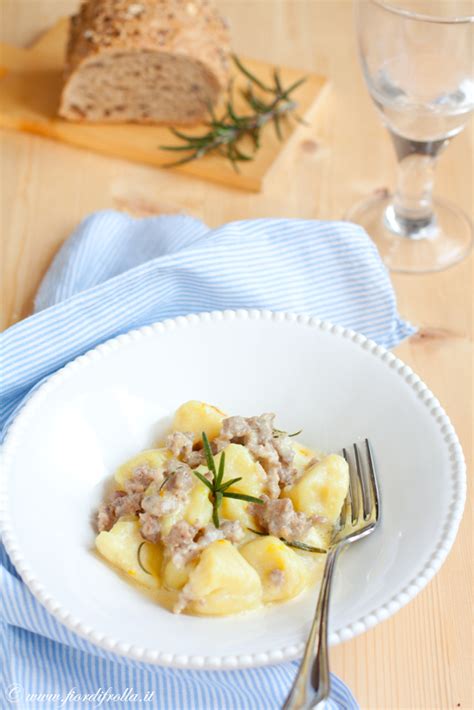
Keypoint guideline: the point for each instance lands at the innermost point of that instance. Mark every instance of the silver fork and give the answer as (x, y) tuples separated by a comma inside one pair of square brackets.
[(360, 516)]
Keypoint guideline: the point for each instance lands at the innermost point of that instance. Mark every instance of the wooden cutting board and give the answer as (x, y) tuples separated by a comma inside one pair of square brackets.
[(30, 85)]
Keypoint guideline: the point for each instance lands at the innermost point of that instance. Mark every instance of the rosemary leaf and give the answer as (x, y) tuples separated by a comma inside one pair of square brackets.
[(138, 557), (182, 162), (174, 147), (242, 496), (231, 156), (230, 483), (215, 514), (203, 479), (209, 457), (249, 74), (210, 109), (242, 156), (304, 546), (220, 473), (255, 103), (216, 505), (294, 86), (277, 80), (257, 532), (184, 136), (232, 114), (280, 432), (296, 544), (299, 119), (276, 122)]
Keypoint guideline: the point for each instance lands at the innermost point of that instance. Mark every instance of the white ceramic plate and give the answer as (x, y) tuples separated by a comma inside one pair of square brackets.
[(108, 404)]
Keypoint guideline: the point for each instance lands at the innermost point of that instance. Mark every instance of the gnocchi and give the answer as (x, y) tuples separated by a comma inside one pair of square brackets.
[(239, 463), (282, 572), (321, 490), (120, 546), (150, 459), (216, 515), (223, 582), (196, 417)]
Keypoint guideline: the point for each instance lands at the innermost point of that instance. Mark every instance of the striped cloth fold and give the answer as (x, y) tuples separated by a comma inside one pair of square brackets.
[(116, 273)]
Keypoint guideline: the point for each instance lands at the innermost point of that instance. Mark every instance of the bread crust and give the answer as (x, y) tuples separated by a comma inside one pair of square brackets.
[(187, 28)]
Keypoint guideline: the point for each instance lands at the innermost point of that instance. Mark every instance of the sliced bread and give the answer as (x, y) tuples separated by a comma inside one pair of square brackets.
[(152, 61)]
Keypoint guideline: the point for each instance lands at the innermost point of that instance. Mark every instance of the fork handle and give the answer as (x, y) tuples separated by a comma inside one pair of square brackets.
[(312, 684)]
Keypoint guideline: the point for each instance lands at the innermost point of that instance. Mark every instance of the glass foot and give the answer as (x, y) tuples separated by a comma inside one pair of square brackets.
[(444, 241)]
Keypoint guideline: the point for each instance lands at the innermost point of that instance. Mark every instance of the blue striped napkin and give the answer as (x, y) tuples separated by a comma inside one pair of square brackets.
[(116, 273)]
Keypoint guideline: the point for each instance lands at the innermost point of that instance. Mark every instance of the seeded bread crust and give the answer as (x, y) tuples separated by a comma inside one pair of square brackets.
[(189, 31)]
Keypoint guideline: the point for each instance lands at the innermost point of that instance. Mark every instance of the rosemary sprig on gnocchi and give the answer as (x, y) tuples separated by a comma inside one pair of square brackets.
[(296, 543), (227, 514), (218, 488)]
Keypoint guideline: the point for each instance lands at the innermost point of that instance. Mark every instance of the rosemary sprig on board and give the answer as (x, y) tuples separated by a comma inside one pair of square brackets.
[(294, 543), (266, 104), (219, 490)]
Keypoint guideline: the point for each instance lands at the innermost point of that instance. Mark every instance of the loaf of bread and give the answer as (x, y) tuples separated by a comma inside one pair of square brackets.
[(152, 61)]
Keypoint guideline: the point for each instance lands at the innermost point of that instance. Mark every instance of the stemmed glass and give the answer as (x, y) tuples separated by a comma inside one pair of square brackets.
[(417, 60)]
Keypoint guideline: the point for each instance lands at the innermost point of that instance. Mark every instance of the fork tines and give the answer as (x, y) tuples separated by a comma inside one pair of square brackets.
[(363, 495)]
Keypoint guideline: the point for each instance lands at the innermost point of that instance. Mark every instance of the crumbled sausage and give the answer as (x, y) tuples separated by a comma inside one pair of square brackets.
[(166, 499), (105, 517), (161, 501), (185, 596), (150, 527), (196, 458), (232, 530), (158, 505), (128, 501), (185, 541), (180, 443), (181, 446), (179, 543), (141, 478), (279, 518), (179, 479), (273, 451), (120, 503)]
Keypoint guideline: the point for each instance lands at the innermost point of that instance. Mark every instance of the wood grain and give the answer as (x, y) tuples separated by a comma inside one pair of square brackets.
[(421, 658), (30, 87)]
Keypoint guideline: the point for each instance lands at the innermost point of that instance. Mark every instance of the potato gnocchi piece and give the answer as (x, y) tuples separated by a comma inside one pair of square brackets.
[(167, 521), (303, 456), (319, 536), (120, 547), (151, 458), (195, 417), (322, 489), (282, 572), (240, 463), (197, 511), (176, 577), (222, 582)]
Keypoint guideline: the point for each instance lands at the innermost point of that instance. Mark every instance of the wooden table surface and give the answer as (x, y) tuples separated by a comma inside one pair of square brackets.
[(421, 657)]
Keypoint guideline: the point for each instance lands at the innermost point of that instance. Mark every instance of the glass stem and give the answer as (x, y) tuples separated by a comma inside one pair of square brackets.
[(411, 212)]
